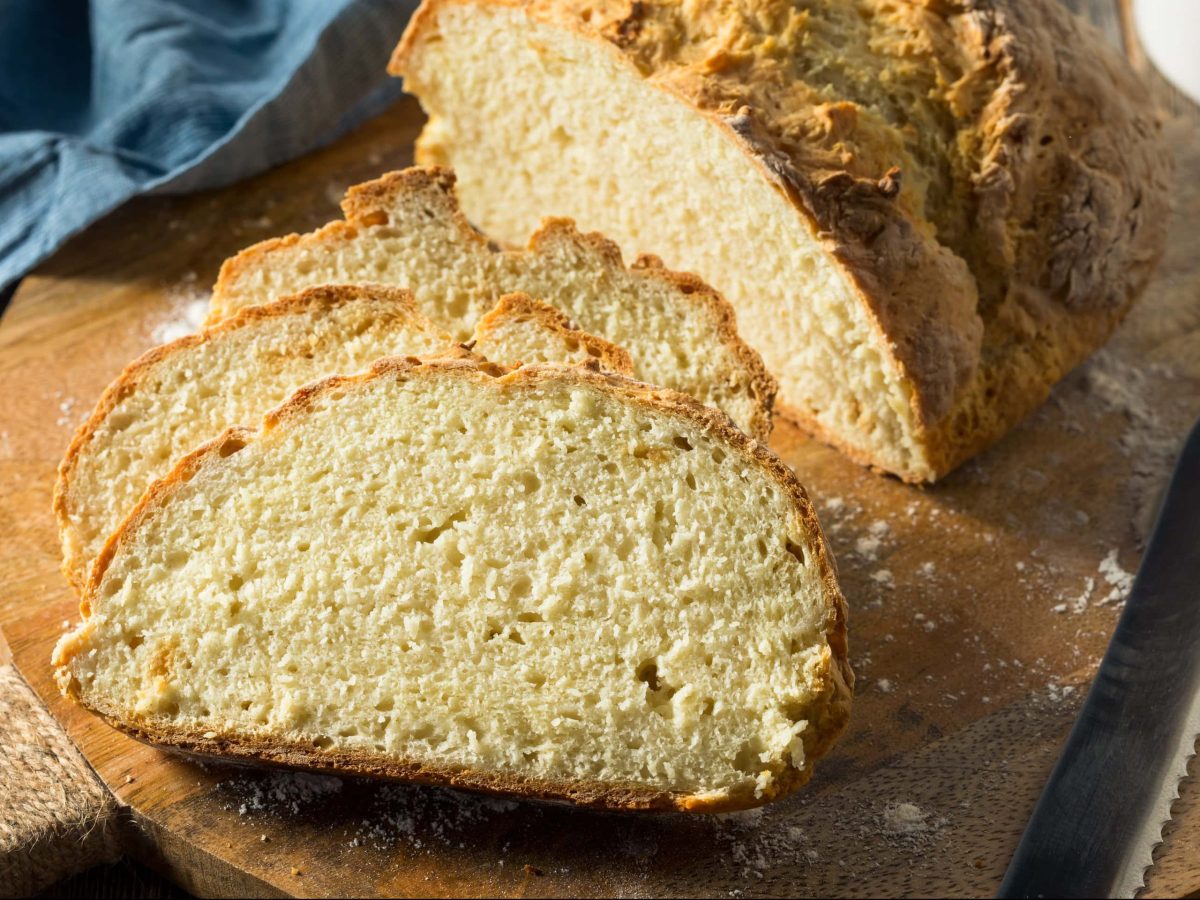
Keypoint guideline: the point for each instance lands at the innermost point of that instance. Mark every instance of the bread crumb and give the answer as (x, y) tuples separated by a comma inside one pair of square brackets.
[(532, 870), (885, 685)]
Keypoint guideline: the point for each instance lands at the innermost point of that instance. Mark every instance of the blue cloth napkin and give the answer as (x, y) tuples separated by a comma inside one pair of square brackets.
[(103, 100)]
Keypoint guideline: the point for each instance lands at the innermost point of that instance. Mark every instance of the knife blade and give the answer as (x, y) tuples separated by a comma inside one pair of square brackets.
[(1101, 813)]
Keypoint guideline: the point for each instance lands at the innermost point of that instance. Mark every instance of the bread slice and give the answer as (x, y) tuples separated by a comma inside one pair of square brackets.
[(175, 397), (547, 582), (924, 213), (520, 329), (406, 229)]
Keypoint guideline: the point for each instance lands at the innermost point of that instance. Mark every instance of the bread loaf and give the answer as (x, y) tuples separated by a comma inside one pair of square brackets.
[(406, 229), (175, 397), (924, 214), (547, 582)]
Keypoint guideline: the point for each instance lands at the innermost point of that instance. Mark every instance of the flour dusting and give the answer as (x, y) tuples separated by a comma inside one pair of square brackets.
[(1119, 581), (188, 310), (1155, 419), (282, 793), (423, 816), (904, 818)]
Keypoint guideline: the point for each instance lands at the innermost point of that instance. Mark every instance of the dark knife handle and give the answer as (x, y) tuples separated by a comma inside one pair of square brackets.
[(1081, 840)]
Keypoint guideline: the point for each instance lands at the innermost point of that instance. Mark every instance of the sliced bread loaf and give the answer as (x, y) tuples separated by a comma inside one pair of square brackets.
[(175, 397), (924, 213), (406, 229), (548, 582)]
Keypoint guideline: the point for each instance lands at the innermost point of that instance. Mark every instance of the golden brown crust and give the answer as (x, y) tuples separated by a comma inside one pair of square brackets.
[(366, 205), (830, 712), (988, 173), (75, 564), (523, 307)]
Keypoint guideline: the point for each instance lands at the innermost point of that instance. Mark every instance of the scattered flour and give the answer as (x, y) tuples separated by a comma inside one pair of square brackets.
[(1057, 693), (904, 819), (758, 840), (1080, 603), (282, 793), (884, 578), (867, 547), (422, 816), (1157, 421), (1119, 581), (67, 408), (885, 685), (189, 308), (835, 505)]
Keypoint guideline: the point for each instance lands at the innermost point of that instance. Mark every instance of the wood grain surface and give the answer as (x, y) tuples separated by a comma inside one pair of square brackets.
[(979, 607)]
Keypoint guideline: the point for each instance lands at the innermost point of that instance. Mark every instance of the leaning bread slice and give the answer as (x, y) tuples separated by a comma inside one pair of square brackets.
[(175, 397), (406, 229), (547, 581)]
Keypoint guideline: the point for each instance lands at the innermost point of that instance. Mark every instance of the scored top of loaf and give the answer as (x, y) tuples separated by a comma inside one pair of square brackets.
[(989, 173)]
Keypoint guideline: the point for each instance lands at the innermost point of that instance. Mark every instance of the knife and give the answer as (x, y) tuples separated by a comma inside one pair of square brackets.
[(1101, 813)]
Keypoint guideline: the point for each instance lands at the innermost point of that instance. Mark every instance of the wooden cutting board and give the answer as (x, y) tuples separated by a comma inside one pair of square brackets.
[(979, 607)]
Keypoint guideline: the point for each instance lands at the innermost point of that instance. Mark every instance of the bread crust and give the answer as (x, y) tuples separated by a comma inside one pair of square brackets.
[(365, 206), (517, 305), (829, 712), (984, 286), (316, 299)]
